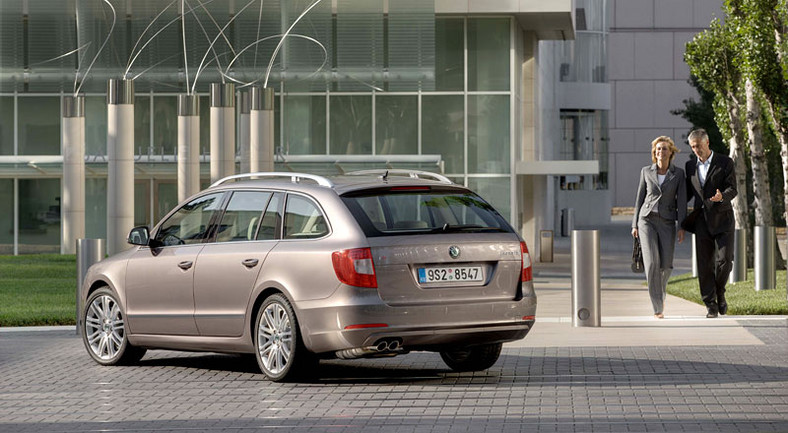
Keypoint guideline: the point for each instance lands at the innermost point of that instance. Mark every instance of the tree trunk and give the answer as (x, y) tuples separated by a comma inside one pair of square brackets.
[(780, 123), (760, 171), (736, 144)]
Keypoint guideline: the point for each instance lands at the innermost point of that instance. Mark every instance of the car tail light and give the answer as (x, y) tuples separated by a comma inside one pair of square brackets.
[(355, 268), (526, 261)]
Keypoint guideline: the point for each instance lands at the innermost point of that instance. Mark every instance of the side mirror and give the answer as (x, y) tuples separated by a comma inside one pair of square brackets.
[(139, 236)]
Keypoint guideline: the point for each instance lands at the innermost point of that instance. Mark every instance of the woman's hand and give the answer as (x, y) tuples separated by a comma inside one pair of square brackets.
[(634, 233)]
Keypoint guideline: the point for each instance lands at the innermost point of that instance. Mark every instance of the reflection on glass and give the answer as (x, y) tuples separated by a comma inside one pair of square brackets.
[(141, 203), (351, 129), (488, 54), (39, 125), (449, 54), (305, 125), (165, 125), (6, 125), (166, 197), (584, 138), (442, 130), (142, 123), (494, 190), (396, 125), (7, 216), (95, 125), (39, 216), (95, 208), (488, 134)]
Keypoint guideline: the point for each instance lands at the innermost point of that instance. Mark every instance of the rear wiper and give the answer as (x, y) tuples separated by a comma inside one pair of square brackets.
[(447, 228)]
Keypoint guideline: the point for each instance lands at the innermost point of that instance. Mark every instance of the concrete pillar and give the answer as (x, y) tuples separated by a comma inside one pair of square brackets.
[(245, 104), (261, 125), (120, 163), (222, 130), (72, 203), (188, 146)]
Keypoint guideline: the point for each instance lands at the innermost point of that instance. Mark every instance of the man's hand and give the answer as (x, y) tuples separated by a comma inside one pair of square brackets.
[(716, 197), (681, 235)]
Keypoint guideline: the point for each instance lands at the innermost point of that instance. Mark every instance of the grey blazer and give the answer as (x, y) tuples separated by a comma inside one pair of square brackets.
[(668, 199)]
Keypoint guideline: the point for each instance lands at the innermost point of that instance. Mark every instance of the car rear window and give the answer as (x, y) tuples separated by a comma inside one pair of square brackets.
[(397, 212)]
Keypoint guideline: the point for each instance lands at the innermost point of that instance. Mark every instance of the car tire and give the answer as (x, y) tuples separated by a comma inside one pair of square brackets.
[(474, 358), (279, 349), (105, 331)]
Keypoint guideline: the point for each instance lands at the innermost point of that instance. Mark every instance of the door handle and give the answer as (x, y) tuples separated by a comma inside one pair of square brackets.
[(250, 263), (185, 265)]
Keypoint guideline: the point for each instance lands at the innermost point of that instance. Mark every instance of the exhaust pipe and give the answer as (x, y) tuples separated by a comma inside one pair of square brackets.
[(384, 347), (393, 345)]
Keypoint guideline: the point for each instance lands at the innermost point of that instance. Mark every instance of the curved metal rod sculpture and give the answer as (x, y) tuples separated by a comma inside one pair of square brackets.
[(245, 84), (281, 41), (98, 53)]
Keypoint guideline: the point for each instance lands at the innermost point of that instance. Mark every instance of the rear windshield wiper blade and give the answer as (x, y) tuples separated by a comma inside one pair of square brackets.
[(447, 228)]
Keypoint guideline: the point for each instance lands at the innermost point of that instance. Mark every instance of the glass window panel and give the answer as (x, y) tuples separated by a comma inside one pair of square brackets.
[(494, 190), (96, 125), (39, 125), (411, 45), (6, 125), (7, 216), (488, 134), (166, 198), (205, 126), (351, 129), (304, 57), (443, 130), (396, 125), (141, 202), (242, 216), (272, 220), (142, 123), (303, 219), (305, 125), (96, 208), (165, 125), (449, 54), (488, 54), (39, 216), (359, 46), (190, 224)]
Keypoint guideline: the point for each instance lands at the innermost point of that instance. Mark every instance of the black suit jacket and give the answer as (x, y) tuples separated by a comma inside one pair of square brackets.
[(721, 175)]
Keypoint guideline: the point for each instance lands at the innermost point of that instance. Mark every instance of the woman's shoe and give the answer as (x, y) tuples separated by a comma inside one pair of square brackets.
[(659, 316)]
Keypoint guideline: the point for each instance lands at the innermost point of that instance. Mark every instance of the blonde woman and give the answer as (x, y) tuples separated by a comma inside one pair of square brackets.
[(661, 204)]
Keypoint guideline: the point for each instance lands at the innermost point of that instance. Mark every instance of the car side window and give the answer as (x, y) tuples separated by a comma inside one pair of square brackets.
[(272, 219), (242, 216), (303, 219), (189, 224)]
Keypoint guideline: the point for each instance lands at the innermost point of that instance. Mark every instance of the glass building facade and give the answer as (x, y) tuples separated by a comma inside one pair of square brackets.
[(355, 77)]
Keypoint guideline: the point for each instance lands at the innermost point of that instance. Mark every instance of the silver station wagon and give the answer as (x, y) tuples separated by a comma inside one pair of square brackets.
[(295, 268)]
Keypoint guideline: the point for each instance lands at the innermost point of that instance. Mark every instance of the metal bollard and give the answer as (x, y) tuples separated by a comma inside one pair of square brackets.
[(739, 271), (546, 246), (765, 265), (567, 221), (586, 299), (89, 251), (694, 257)]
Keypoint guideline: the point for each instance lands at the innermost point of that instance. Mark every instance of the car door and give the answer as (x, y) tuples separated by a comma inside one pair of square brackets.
[(160, 277), (227, 268)]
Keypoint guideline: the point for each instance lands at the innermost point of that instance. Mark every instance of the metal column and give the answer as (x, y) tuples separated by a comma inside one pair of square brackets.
[(120, 164), (73, 185), (586, 285), (188, 146), (89, 251), (261, 123), (222, 130), (739, 271)]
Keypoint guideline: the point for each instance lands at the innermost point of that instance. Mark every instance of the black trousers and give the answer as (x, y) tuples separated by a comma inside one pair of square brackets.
[(714, 255)]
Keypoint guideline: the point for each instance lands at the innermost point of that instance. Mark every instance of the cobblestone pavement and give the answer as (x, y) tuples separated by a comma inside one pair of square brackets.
[(48, 383)]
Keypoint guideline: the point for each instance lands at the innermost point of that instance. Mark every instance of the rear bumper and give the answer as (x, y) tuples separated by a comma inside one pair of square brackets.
[(358, 318)]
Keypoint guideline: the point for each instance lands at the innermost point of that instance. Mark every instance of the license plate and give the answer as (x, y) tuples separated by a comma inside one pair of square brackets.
[(448, 274)]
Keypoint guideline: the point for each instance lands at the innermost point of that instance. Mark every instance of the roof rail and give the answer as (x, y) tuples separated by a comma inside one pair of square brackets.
[(414, 174), (294, 177)]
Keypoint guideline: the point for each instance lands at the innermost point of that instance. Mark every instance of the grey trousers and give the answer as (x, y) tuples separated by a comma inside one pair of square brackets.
[(658, 240)]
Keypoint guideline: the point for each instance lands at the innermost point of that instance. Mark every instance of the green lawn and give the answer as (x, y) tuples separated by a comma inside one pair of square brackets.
[(38, 290), (742, 297)]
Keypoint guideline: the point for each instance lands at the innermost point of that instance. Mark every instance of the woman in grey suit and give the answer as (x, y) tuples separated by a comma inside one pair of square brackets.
[(661, 203)]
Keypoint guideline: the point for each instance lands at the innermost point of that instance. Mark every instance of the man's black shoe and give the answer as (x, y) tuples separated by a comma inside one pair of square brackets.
[(711, 314), (724, 308)]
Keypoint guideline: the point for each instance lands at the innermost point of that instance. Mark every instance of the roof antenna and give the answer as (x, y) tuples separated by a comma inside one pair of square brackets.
[(385, 175)]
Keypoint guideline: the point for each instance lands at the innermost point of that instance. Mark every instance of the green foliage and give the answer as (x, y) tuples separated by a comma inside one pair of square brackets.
[(38, 290), (742, 297)]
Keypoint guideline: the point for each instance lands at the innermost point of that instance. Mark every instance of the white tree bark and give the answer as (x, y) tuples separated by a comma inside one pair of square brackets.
[(760, 171)]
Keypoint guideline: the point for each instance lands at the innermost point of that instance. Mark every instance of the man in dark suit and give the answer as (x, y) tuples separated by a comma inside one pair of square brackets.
[(711, 180)]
